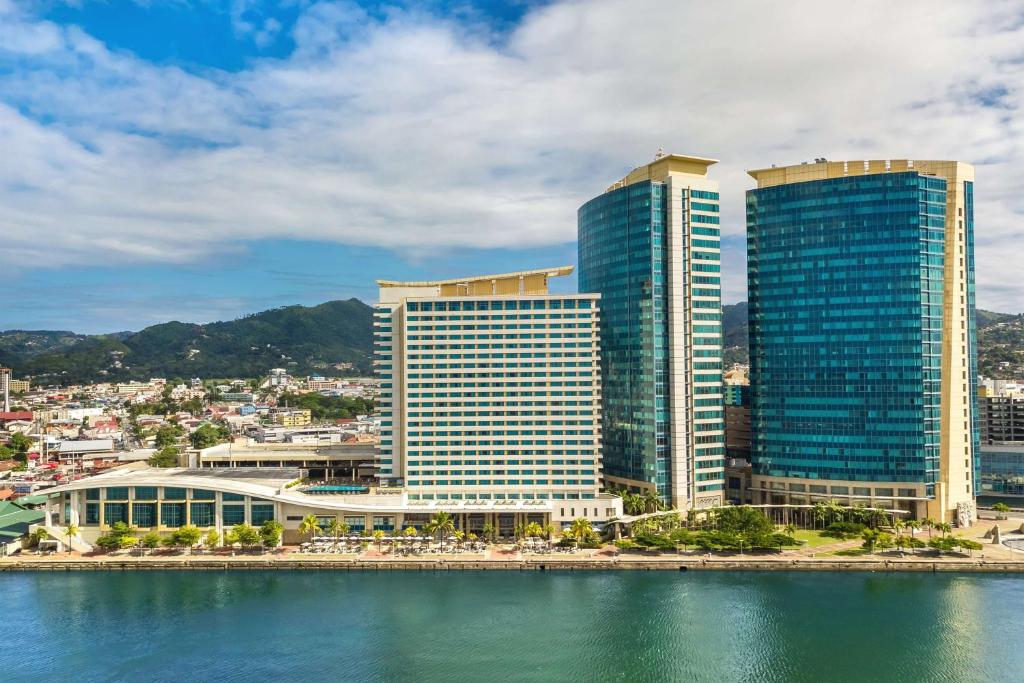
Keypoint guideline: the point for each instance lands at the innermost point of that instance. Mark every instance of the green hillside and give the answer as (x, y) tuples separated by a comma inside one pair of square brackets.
[(305, 340)]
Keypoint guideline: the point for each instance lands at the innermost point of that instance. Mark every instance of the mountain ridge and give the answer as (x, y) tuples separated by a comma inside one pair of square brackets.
[(304, 339)]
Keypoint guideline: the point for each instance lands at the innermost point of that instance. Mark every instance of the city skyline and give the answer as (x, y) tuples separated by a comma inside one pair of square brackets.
[(165, 155)]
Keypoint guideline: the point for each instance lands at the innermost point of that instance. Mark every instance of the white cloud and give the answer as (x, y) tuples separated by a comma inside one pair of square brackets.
[(413, 132)]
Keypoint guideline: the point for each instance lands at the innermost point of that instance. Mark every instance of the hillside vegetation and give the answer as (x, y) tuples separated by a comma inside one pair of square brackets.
[(305, 340)]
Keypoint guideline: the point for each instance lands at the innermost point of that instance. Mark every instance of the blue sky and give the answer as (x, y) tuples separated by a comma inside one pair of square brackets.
[(199, 160)]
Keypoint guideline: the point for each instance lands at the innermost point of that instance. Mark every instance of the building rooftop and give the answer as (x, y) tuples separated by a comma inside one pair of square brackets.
[(662, 166), (548, 272), (519, 283), (823, 169)]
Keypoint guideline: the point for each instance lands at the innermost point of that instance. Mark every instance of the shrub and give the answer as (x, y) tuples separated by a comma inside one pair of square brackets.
[(844, 530)]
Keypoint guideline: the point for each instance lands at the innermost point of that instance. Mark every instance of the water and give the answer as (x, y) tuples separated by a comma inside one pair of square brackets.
[(511, 626)]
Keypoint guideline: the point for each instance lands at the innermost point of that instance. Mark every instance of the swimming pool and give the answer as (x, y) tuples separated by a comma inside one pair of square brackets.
[(337, 488)]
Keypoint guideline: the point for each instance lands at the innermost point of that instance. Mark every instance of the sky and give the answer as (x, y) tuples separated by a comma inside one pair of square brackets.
[(197, 160)]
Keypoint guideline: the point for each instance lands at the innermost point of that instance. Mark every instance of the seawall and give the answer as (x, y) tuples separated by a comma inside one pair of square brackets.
[(647, 564)]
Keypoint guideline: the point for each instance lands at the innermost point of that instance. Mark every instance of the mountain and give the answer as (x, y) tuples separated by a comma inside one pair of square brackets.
[(305, 340), (1000, 341)]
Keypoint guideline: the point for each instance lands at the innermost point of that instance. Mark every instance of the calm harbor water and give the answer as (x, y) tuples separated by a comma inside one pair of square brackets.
[(511, 626)]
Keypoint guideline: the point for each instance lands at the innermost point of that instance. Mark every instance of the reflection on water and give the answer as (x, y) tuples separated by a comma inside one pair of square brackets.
[(528, 626)]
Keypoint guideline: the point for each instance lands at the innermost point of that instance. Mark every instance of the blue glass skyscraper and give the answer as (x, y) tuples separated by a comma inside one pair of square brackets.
[(863, 364), (649, 245)]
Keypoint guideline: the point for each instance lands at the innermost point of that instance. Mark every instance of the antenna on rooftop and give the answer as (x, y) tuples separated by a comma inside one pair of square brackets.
[(660, 153)]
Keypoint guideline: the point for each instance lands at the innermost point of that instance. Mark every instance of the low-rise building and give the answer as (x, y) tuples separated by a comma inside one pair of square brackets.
[(161, 500), (289, 417)]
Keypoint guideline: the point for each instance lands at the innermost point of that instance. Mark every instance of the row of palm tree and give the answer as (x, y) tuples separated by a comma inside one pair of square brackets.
[(640, 503)]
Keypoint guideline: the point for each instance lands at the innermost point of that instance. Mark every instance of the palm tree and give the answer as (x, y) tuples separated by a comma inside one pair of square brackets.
[(790, 529), (443, 524), (459, 535), (410, 531), (71, 530), (913, 525), (533, 530), (378, 535), (310, 525), (652, 501), (928, 523), (489, 531), (835, 510), (549, 531), (38, 535), (581, 529), (944, 527)]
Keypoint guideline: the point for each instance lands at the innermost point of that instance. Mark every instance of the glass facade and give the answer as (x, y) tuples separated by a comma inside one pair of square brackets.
[(1002, 472), (846, 328), (622, 256), (651, 250)]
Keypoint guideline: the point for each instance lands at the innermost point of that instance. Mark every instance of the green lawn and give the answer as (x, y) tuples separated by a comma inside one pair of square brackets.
[(813, 539)]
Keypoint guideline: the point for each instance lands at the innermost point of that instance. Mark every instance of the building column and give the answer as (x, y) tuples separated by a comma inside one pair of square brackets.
[(75, 503), (218, 517)]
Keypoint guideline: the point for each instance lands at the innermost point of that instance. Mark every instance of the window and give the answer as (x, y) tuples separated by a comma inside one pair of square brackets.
[(261, 513), (92, 494), (356, 524), (232, 496), (145, 493), (117, 493), (203, 494), (144, 514), (233, 514), (115, 512), (172, 493), (202, 513), (92, 513), (172, 514)]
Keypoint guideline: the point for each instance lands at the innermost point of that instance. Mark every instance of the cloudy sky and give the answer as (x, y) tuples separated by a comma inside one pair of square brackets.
[(194, 160)]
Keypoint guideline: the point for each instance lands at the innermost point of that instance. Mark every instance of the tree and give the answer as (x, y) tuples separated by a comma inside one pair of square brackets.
[(652, 501), (441, 524), (914, 544), (245, 535), (410, 531), (876, 539), (20, 443), (38, 534), (489, 532), (71, 530), (6, 453), (944, 527), (186, 536), (165, 457), (337, 528), (928, 523), (271, 531), (207, 435), (310, 525), (1001, 509), (167, 435), (582, 532), (914, 525), (212, 539), (968, 544), (378, 535), (533, 530), (549, 531), (151, 540)]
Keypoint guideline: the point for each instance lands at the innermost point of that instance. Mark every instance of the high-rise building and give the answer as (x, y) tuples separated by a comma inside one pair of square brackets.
[(5, 389), (491, 391), (862, 335), (649, 245)]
